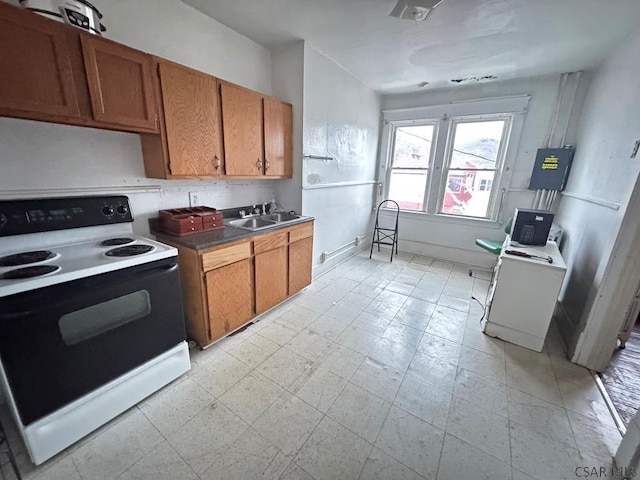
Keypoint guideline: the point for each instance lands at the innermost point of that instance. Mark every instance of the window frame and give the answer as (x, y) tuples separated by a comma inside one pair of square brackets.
[(514, 107)]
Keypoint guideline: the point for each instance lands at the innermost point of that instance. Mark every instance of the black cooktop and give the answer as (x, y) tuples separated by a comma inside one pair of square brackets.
[(26, 258), (30, 272), (129, 250), (112, 242)]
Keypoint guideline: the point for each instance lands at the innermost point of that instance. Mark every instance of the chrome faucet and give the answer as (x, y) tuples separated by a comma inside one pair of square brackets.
[(264, 209)]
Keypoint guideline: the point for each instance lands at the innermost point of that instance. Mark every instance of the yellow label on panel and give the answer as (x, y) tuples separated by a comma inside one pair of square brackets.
[(550, 163)]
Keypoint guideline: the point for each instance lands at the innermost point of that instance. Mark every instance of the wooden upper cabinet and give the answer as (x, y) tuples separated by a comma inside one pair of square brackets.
[(192, 121), (242, 131), (36, 80), (120, 84), (277, 138)]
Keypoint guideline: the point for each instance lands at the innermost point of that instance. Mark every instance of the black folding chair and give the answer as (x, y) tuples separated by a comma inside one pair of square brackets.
[(385, 234)]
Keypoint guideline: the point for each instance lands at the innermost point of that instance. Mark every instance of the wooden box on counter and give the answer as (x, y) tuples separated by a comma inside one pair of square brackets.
[(185, 221)]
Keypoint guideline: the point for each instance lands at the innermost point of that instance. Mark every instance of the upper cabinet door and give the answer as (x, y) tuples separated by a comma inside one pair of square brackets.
[(277, 138), (192, 121), (120, 84), (35, 70), (242, 130)]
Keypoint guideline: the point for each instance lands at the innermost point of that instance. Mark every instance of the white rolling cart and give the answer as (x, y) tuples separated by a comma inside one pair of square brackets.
[(523, 295)]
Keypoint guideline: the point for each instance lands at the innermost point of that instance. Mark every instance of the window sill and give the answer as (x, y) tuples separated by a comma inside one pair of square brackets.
[(451, 219)]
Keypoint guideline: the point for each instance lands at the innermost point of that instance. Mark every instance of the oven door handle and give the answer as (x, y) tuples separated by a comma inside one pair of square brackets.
[(160, 269)]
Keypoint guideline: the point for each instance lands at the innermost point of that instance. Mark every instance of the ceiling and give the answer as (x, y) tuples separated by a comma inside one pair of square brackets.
[(461, 38)]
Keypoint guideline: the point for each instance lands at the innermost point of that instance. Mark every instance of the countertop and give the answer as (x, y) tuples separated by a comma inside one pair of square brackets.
[(213, 238)]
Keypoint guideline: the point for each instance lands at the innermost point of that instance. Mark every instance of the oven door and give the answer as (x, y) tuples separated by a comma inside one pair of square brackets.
[(61, 342)]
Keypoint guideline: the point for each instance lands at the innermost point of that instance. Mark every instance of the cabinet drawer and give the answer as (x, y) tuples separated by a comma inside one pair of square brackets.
[(269, 242), (225, 256), (298, 233)]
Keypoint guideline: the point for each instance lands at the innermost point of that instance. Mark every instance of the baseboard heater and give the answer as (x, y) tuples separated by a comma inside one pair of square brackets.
[(354, 243)]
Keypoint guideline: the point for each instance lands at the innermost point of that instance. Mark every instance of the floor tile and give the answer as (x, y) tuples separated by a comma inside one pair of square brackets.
[(442, 327), (162, 463), (222, 373), (540, 416), (441, 348), (357, 339), (483, 364), (585, 398), (288, 422), (382, 308), (283, 367), (294, 472), (541, 457), (459, 287), (474, 338), (300, 316), (409, 277), (308, 344), (398, 287), (428, 291), (455, 303), (393, 354), (417, 305), (450, 315), (249, 352), (250, 456), (251, 396), (483, 391), (536, 384), (176, 405), (434, 277), (485, 430), (412, 318), (538, 362), (379, 379), (343, 312), (424, 400), (333, 452), (432, 370), (117, 448), (518, 475), (61, 470), (328, 327), (380, 466), (279, 332), (412, 441), (360, 411), (372, 322), (318, 387), (391, 298), (594, 439), (340, 360), (356, 300), (403, 334), (332, 293), (566, 371), (463, 461), (199, 444)]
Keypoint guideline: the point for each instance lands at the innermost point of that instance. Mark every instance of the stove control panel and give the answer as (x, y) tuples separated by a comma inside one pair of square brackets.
[(47, 214)]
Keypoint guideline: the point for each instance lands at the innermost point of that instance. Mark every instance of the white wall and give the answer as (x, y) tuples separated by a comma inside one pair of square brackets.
[(603, 171), (333, 97), (455, 239), (288, 84), (36, 156)]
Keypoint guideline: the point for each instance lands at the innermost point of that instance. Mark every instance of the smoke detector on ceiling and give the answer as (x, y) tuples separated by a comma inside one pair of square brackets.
[(416, 10)]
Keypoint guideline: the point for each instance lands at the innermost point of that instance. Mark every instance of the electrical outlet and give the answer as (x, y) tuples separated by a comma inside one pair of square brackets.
[(194, 199)]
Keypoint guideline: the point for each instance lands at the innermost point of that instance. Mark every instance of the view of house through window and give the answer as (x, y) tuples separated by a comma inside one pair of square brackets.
[(410, 165), (465, 174), (472, 161)]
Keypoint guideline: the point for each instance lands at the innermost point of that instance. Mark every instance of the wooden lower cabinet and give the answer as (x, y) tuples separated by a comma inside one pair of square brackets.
[(300, 263), (229, 298), (225, 287), (271, 278)]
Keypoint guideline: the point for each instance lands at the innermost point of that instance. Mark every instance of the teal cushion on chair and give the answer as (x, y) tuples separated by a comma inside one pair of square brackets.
[(489, 245)]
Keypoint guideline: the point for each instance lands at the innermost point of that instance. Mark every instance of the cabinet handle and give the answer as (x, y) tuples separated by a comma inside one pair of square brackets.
[(266, 165), (216, 162), (259, 164)]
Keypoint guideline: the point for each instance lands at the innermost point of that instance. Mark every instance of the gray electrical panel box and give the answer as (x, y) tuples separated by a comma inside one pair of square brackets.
[(551, 170)]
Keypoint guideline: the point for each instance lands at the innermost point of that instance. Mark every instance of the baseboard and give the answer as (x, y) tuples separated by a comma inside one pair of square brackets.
[(476, 257), (339, 258)]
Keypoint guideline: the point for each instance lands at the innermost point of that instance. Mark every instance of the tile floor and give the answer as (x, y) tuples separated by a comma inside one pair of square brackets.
[(376, 371)]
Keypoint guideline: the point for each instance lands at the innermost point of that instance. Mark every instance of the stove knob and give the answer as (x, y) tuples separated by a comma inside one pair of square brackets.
[(122, 209), (107, 211)]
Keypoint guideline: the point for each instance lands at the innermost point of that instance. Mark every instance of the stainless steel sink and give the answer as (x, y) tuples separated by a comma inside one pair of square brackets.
[(256, 223), (281, 217)]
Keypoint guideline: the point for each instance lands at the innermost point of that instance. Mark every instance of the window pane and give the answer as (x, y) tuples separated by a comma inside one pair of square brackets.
[(476, 144), (413, 146), (468, 193), (407, 188)]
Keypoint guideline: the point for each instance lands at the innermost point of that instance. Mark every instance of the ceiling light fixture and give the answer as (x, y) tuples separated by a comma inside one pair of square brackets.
[(416, 10)]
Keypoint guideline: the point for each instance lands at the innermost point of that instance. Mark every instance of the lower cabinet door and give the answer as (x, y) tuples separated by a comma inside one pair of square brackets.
[(300, 261), (229, 295), (271, 278)]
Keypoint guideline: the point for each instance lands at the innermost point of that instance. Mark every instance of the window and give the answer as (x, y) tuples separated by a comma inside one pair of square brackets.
[(447, 164)]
